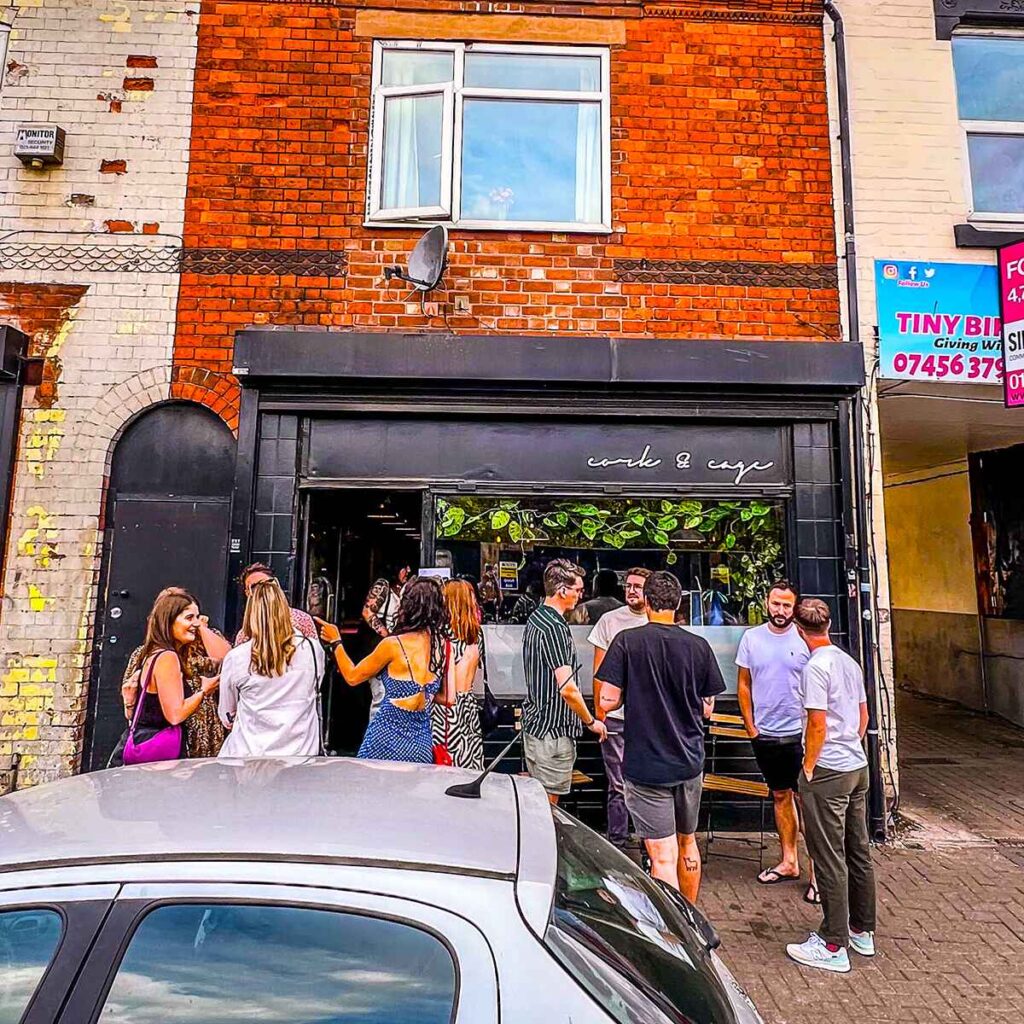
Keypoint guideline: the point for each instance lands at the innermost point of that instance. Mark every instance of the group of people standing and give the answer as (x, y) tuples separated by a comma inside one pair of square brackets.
[(188, 691), (804, 706)]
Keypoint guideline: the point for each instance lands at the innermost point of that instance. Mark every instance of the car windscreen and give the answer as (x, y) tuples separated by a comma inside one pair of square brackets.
[(608, 913)]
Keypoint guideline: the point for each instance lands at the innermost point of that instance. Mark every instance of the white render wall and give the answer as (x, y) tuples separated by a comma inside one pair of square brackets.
[(909, 164), (113, 345)]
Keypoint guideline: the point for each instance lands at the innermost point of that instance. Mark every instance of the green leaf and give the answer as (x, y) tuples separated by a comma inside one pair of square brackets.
[(746, 515), (730, 540), (500, 519), (660, 537), (629, 534), (691, 522), (672, 558), (562, 518), (515, 532), (454, 518), (636, 515), (618, 541), (668, 523), (449, 531), (590, 528), (758, 508), (548, 521), (584, 510), (690, 508), (667, 506)]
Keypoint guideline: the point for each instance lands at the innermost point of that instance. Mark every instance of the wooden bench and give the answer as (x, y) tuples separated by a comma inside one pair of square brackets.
[(731, 727), (728, 784)]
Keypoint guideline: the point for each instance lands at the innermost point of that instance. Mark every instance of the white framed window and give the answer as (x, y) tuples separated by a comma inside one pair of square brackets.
[(989, 70), (480, 135)]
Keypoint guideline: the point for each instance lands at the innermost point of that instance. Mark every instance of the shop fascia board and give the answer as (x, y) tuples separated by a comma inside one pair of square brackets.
[(271, 355)]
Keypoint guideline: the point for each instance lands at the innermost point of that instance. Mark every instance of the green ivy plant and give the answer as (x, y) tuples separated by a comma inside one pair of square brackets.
[(750, 531)]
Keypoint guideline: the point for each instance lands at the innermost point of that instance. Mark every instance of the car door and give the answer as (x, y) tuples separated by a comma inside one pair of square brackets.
[(45, 936), (220, 953)]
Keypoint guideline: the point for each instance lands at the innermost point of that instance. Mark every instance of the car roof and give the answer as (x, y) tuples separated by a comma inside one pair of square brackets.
[(334, 809)]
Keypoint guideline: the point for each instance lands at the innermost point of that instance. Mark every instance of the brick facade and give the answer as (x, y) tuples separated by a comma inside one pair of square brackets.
[(215, 178), (105, 330), (721, 175)]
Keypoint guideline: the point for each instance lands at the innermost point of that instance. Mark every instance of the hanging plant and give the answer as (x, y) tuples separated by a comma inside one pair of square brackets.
[(748, 531)]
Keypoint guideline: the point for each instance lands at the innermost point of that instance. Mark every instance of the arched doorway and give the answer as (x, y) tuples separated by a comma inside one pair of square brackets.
[(167, 520)]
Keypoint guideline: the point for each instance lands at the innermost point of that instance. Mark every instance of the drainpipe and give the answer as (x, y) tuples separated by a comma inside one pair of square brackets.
[(862, 526)]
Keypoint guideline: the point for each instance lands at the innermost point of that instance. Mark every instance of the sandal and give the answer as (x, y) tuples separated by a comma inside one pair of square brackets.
[(770, 876), (812, 895)]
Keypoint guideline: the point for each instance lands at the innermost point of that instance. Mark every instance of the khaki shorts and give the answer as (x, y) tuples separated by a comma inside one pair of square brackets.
[(550, 761)]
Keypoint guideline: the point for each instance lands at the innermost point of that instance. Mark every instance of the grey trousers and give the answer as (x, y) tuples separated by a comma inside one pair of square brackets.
[(836, 831)]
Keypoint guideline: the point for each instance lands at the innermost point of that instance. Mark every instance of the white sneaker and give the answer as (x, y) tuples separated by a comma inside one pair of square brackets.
[(862, 942), (814, 953)]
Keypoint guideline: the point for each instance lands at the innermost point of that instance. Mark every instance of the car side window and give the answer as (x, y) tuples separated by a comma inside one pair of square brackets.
[(206, 963), (28, 941)]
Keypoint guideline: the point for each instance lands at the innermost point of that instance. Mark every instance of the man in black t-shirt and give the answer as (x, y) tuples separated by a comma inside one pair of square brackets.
[(671, 678)]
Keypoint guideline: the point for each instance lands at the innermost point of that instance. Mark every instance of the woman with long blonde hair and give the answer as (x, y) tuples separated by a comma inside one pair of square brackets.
[(269, 685), (458, 727)]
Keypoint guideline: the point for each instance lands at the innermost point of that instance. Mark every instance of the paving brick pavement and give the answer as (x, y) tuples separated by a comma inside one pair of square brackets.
[(950, 941), (951, 892)]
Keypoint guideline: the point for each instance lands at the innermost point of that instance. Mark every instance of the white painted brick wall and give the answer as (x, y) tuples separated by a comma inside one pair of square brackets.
[(116, 353)]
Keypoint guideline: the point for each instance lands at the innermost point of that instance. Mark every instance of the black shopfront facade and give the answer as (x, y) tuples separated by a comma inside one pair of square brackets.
[(342, 428)]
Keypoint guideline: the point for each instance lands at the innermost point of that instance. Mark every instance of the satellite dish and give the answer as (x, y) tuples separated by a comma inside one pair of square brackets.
[(427, 261)]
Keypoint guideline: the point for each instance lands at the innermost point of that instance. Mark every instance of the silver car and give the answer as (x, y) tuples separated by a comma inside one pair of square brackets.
[(334, 891)]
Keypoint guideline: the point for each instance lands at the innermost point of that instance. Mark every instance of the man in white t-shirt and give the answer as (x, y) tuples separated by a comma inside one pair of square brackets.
[(769, 660), (834, 789), (607, 629)]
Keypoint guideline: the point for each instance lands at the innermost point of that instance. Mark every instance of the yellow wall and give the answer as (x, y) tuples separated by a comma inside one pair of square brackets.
[(931, 564)]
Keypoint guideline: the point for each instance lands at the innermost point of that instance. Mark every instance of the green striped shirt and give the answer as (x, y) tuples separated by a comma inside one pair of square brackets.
[(547, 645)]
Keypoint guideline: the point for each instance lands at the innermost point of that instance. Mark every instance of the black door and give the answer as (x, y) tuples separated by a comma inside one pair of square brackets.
[(168, 518)]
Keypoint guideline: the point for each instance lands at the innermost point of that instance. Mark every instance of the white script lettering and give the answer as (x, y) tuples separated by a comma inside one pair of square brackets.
[(682, 460), (741, 469), (644, 462)]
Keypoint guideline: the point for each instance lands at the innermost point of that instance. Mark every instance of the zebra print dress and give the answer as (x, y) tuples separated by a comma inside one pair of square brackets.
[(463, 737)]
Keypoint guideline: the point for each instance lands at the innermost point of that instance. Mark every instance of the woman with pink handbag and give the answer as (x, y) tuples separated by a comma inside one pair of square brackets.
[(155, 732)]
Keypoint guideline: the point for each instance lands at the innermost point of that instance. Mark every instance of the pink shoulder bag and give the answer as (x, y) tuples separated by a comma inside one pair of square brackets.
[(164, 745)]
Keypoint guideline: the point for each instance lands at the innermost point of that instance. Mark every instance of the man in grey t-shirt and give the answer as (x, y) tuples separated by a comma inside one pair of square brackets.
[(833, 790), (608, 627)]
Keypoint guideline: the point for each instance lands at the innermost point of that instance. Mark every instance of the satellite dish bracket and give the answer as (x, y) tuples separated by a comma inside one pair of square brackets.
[(430, 259)]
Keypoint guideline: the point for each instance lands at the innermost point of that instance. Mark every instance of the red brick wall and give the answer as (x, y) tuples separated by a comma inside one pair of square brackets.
[(720, 152)]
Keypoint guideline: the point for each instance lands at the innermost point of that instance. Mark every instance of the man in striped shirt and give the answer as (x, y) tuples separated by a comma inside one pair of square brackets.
[(554, 712)]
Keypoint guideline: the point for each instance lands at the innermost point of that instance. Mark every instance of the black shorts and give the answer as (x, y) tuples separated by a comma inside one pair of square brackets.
[(780, 759)]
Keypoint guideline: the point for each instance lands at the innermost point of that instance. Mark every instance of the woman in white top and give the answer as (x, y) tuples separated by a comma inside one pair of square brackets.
[(269, 685)]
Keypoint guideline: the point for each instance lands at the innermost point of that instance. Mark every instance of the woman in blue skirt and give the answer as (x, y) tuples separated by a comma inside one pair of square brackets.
[(411, 665)]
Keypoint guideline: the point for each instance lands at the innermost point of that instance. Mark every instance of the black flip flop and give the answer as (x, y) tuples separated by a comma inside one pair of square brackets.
[(812, 895), (775, 878)]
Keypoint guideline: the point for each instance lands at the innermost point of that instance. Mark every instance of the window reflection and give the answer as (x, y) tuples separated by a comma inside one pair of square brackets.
[(220, 964), (28, 940), (997, 172)]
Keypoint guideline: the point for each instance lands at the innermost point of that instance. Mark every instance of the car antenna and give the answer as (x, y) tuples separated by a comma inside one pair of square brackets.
[(471, 790)]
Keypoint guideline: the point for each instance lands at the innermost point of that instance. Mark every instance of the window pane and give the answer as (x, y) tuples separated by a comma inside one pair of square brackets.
[(412, 151), (524, 161), (997, 172), (28, 940), (532, 71), (989, 77), (652, 950), (416, 67), (222, 964)]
